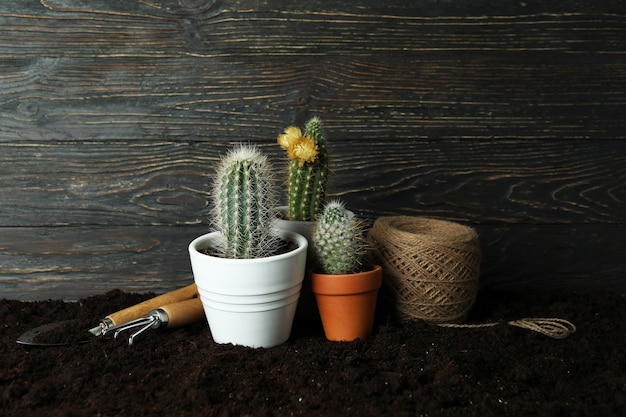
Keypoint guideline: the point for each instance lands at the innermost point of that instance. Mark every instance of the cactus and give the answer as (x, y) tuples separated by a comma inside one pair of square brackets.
[(338, 240), (308, 169), (245, 199)]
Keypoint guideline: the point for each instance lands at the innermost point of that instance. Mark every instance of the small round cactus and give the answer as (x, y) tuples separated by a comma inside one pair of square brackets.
[(308, 169), (244, 204), (338, 240)]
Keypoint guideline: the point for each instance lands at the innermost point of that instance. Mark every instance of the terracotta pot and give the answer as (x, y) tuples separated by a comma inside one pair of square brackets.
[(347, 303)]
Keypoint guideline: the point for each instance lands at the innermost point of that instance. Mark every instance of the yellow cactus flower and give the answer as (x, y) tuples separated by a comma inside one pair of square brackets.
[(304, 150), (289, 137)]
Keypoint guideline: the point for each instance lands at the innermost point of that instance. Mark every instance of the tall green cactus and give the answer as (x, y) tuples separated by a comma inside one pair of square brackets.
[(338, 240), (308, 169), (245, 199)]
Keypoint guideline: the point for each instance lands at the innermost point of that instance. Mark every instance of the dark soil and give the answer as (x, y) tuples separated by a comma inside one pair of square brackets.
[(403, 369), (283, 247)]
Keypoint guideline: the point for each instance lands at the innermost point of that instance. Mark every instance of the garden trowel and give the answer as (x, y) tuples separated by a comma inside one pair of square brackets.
[(173, 309)]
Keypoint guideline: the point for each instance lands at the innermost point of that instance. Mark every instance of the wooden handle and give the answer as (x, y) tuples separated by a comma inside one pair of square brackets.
[(183, 313), (142, 309)]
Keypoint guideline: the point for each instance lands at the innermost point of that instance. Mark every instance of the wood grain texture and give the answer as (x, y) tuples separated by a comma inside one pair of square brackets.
[(73, 262), (168, 183), (508, 117), (213, 70), (51, 99)]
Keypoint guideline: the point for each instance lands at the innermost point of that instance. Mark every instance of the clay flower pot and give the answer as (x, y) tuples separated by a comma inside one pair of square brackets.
[(347, 302), (249, 302)]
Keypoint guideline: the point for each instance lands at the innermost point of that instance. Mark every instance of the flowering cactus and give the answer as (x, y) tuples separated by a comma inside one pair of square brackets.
[(338, 240), (308, 169), (245, 199)]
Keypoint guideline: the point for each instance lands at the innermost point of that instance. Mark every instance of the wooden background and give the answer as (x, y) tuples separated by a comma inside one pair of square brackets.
[(507, 116)]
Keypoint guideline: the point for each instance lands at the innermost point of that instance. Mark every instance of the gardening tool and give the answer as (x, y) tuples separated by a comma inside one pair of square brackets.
[(176, 314), (177, 318), (142, 309)]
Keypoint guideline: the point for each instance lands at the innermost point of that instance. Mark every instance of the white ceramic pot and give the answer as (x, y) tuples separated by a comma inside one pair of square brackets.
[(249, 302), (304, 228), (306, 314)]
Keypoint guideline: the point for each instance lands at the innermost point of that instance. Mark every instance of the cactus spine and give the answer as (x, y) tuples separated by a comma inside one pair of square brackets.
[(338, 240), (308, 169), (245, 199)]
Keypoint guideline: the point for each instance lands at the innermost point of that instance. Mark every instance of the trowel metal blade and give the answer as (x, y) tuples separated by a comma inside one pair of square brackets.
[(30, 337)]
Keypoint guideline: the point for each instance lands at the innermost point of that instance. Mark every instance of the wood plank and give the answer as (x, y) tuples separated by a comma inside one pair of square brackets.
[(575, 257), (186, 99), (151, 70), (74, 262), (544, 182), (518, 182), (249, 28)]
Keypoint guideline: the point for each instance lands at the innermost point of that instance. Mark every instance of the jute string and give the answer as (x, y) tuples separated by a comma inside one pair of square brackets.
[(551, 327), (431, 267)]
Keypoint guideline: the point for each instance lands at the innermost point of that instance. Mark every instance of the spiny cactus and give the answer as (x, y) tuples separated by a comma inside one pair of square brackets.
[(245, 199), (308, 169), (338, 240)]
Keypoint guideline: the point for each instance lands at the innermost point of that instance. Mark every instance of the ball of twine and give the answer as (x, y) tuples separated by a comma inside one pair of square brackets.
[(431, 267)]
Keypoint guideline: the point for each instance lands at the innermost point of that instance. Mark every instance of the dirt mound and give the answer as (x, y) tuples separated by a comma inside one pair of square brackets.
[(403, 369)]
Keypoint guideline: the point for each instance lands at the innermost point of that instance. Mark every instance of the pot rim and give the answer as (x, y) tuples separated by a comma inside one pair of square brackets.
[(206, 239), (360, 282)]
